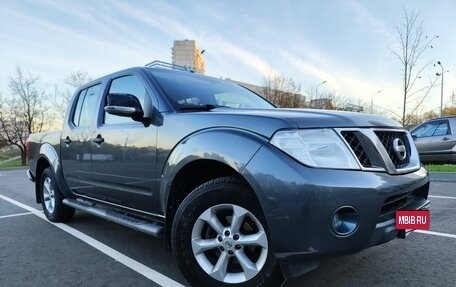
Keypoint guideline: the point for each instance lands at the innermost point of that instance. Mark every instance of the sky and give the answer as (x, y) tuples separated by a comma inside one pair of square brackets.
[(347, 43)]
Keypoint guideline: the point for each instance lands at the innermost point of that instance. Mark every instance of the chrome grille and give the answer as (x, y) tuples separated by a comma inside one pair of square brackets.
[(387, 138), (381, 149), (358, 149)]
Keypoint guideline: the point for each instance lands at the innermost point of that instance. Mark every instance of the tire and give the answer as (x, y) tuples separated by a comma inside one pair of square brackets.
[(51, 198), (238, 250)]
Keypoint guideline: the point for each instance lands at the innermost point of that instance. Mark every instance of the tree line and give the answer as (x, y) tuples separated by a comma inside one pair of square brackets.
[(285, 93)]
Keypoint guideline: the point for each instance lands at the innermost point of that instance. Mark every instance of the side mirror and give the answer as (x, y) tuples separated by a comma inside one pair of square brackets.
[(124, 105)]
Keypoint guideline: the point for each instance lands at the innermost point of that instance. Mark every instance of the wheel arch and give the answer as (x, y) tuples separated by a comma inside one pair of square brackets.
[(48, 157), (41, 165), (188, 178), (203, 156)]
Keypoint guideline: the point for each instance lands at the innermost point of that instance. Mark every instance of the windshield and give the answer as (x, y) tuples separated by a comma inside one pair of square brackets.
[(186, 90)]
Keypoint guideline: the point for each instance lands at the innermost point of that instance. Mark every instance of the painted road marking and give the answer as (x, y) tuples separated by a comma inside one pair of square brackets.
[(436, 233), (142, 269), (14, 215), (444, 197)]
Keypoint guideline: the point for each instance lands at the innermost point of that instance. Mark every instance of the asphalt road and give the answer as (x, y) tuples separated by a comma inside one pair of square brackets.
[(34, 252)]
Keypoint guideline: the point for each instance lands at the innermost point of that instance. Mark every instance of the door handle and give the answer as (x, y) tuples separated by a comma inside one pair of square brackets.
[(446, 139), (98, 140), (67, 140)]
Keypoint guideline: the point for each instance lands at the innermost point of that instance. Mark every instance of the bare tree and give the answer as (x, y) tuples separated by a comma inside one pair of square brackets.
[(283, 92), (419, 101), (413, 43), (23, 111), (77, 79), (453, 99)]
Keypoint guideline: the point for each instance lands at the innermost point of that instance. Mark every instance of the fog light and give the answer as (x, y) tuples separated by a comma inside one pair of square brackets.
[(344, 221)]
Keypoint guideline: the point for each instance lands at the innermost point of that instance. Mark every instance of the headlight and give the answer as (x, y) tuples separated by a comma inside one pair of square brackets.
[(316, 147)]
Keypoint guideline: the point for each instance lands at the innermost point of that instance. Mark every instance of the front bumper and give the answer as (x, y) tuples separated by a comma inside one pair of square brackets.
[(299, 204), (31, 176)]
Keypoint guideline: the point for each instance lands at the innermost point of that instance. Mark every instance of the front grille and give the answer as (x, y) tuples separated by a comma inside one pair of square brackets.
[(396, 202), (355, 144), (381, 149), (387, 138), (402, 201)]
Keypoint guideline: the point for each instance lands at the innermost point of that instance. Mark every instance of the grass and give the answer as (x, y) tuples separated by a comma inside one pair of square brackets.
[(7, 155), (441, 167), (10, 164)]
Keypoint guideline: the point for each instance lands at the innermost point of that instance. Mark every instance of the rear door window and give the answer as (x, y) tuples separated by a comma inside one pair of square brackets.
[(438, 128), (85, 111), (77, 111), (442, 129)]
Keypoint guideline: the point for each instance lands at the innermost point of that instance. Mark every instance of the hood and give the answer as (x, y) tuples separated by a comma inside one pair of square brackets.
[(266, 122), (307, 118)]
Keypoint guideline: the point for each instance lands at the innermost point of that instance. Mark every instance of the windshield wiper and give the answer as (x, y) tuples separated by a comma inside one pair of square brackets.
[(206, 107)]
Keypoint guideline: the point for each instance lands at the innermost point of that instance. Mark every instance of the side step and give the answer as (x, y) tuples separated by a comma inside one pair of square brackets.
[(141, 225)]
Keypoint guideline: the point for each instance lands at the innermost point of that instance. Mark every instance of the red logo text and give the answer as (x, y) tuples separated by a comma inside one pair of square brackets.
[(413, 219)]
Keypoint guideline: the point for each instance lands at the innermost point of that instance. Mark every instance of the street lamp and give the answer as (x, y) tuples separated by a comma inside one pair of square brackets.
[(316, 88), (441, 87), (372, 100)]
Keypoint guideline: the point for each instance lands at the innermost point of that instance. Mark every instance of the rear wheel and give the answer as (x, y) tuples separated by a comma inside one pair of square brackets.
[(51, 199), (219, 237)]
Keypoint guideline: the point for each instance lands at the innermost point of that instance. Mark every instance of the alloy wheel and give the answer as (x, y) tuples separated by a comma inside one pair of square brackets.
[(229, 243)]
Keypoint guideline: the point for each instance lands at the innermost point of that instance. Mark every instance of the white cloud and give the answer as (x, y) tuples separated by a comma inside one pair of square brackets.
[(366, 18), (347, 83), (240, 54), (227, 51), (158, 20), (54, 50)]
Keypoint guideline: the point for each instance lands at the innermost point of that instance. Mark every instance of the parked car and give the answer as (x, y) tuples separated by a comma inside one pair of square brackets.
[(243, 193), (436, 140)]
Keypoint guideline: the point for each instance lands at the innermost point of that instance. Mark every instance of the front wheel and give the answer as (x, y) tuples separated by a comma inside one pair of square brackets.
[(51, 199), (219, 237)]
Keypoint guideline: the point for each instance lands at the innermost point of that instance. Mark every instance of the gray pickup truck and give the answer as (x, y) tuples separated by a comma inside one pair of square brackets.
[(243, 193)]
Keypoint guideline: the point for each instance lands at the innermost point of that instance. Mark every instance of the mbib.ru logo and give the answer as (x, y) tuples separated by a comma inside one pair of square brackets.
[(413, 219)]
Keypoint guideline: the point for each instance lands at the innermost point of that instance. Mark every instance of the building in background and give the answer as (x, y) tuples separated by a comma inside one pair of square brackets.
[(322, 103), (186, 53)]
